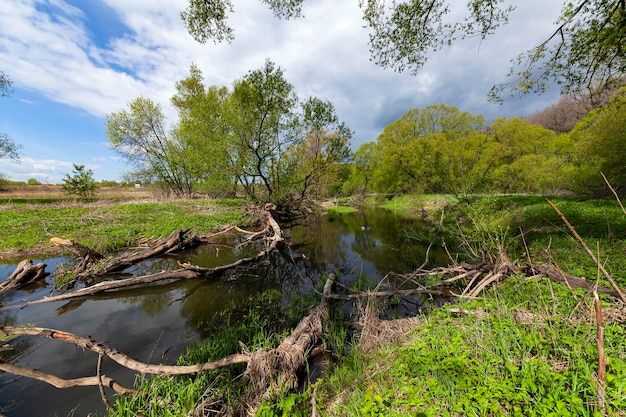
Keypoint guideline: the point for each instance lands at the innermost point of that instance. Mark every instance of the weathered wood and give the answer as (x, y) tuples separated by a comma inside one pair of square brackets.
[(25, 273), (271, 370), (57, 382), (121, 358), (558, 275), (174, 242)]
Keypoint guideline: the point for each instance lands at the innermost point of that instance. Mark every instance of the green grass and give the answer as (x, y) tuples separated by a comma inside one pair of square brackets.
[(341, 209), (109, 226), (523, 355)]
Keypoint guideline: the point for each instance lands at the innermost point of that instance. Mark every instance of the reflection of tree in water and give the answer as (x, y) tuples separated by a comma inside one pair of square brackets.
[(154, 302), (12, 348)]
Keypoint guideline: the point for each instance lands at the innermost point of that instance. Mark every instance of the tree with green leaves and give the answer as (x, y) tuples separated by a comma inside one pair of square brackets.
[(8, 148), (600, 148), (525, 157), (584, 51), (81, 183), (138, 134), (416, 152), (205, 130), (264, 126), (313, 164)]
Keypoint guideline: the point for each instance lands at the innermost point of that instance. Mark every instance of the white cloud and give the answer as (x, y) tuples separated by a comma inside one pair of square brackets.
[(44, 170), (325, 54)]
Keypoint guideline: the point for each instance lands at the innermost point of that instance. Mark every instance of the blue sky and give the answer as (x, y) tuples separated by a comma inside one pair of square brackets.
[(75, 61)]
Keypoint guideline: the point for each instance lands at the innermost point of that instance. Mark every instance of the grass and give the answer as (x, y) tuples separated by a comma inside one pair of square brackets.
[(526, 348), (522, 352), (51, 193), (341, 209), (107, 226)]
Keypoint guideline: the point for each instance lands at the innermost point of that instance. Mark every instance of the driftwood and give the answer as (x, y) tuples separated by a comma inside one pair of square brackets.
[(25, 274), (121, 358), (57, 382), (266, 369), (92, 263), (273, 238)]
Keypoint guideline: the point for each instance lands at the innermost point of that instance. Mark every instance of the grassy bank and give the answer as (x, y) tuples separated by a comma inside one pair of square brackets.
[(106, 225)]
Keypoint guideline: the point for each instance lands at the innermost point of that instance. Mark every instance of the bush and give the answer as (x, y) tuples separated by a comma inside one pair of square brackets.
[(81, 183)]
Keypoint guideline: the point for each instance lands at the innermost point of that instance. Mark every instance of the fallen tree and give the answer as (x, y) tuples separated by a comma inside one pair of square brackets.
[(266, 370), (271, 233)]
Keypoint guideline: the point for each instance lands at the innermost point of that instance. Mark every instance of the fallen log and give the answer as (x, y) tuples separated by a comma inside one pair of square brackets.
[(563, 277), (271, 371), (187, 271), (266, 370), (121, 358), (57, 382), (25, 273), (92, 264)]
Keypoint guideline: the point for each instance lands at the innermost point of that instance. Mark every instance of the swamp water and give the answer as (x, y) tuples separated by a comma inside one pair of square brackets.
[(155, 323)]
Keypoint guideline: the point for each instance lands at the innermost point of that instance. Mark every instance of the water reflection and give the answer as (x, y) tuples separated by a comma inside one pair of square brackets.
[(155, 322)]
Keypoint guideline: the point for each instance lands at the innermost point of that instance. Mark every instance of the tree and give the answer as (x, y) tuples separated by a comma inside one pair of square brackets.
[(600, 147), (585, 51), (8, 148), (417, 152), (139, 136), (525, 157), (80, 183), (264, 126), (205, 129), (313, 165)]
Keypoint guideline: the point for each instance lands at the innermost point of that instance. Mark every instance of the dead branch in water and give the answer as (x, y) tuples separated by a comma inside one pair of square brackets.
[(121, 358), (273, 238), (57, 382), (266, 369), (25, 274)]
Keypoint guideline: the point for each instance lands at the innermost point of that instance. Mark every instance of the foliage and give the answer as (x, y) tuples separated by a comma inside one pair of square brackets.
[(439, 149), (258, 136), (584, 52), (600, 147), (81, 183), (204, 130), (532, 360), (5, 85), (8, 148), (138, 134), (33, 181)]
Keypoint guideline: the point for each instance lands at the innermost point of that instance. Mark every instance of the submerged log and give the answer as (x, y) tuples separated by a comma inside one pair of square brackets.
[(25, 274)]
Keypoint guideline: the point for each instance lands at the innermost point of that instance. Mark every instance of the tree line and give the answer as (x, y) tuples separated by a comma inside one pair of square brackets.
[(440, 149), (259, 139)]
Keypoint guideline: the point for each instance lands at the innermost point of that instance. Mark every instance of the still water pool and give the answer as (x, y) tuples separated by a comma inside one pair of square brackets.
[(155, 323)]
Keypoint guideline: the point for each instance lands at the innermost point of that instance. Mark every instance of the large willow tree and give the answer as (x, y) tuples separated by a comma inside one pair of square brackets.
[(585, 49)]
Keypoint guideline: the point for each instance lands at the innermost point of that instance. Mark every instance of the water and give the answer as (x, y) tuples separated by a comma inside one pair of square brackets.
[(155, 323)]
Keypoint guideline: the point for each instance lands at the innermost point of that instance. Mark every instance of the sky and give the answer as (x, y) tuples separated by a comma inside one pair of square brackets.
[(72, 62)]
